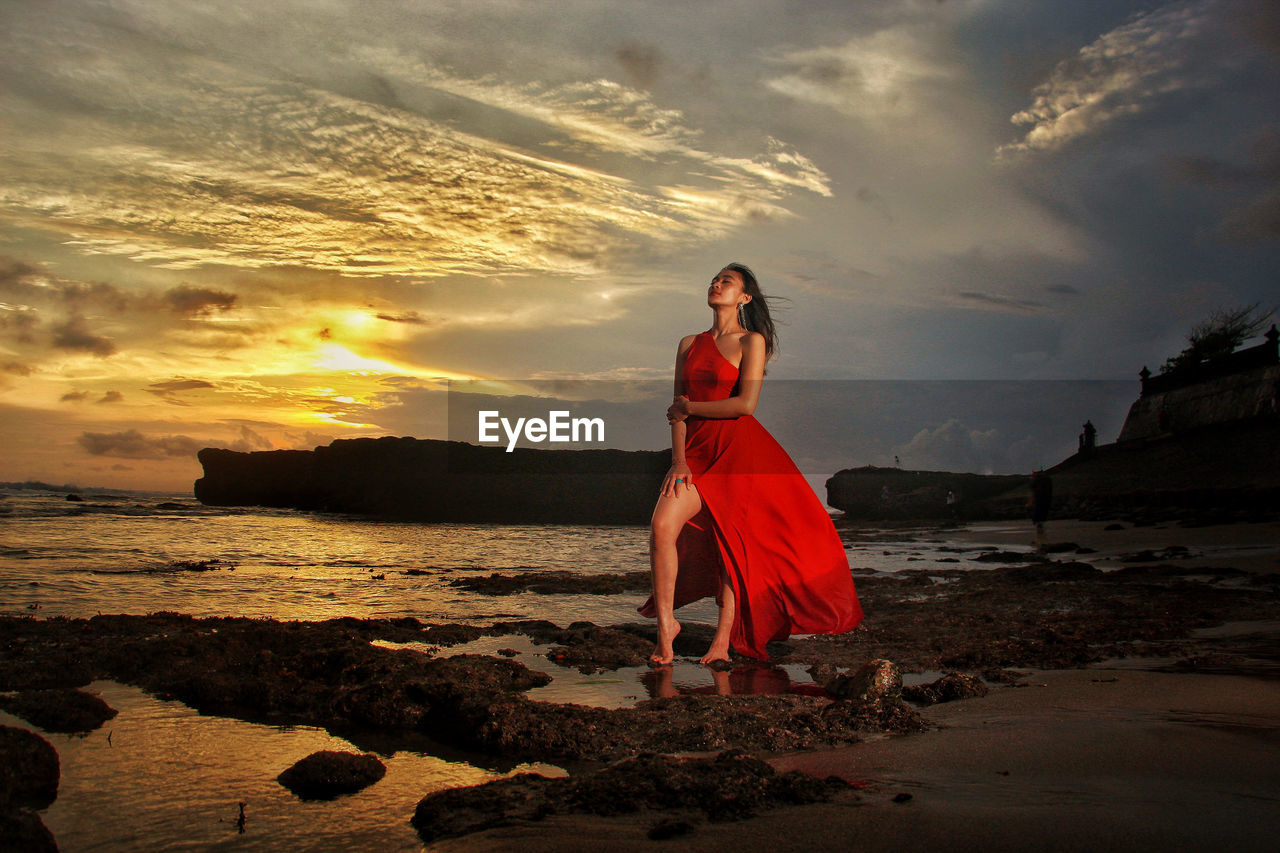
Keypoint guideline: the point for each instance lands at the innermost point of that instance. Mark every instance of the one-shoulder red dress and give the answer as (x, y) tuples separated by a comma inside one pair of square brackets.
[(760, 521)]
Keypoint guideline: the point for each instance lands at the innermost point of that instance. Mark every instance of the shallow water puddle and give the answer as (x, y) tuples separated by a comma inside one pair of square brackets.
[(624, 687), (160, 776)]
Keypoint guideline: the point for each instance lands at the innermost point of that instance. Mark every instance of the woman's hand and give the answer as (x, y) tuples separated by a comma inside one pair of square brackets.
[(678, 475), (678, 410)]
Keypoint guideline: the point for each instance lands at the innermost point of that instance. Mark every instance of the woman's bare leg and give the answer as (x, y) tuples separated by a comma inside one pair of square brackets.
[(724, 625), (669, 518)]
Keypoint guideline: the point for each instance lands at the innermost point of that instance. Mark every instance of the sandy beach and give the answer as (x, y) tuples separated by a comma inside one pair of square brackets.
[(1125, 698)]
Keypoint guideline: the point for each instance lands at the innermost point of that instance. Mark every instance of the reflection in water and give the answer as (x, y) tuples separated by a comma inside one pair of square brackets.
[(162, 777), (750, 679)]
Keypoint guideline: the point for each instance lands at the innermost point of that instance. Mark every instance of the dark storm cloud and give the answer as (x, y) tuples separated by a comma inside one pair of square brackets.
[(74, 334), (132, 444)]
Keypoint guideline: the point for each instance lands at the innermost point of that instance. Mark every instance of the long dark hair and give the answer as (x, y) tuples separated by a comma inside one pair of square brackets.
[(757, 310)]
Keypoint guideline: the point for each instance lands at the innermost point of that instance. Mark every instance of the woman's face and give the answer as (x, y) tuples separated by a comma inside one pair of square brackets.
[(726, 288)]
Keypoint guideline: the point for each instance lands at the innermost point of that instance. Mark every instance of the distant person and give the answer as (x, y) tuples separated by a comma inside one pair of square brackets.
[(951, 503), (1039, 502), (1088, 437), (897, 463), (735, 517)]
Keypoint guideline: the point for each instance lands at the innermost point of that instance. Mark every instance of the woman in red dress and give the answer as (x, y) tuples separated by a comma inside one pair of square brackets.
[(735, 518)]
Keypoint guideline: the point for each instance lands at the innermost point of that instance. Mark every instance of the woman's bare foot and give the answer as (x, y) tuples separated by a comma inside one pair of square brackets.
[(663, 653), (718, 652)]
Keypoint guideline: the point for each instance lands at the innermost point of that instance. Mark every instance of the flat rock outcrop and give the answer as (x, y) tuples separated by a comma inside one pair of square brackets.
[(433, 480)]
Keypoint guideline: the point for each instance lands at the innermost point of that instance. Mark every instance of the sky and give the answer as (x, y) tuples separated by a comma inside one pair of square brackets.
[(271, 225)]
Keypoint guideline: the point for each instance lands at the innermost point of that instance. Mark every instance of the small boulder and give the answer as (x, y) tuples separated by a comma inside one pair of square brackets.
[(29, 769), (64, 710), (22, 829), (948, 688), (327, 774), (876, 681)]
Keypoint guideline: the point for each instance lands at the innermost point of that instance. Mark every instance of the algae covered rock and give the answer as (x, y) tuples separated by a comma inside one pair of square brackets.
[(327, 774)]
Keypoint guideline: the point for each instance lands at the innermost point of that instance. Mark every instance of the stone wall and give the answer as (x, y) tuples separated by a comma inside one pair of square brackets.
[(1222, 400)]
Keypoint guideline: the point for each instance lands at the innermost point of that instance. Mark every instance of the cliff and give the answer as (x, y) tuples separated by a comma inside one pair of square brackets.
[(1228, 469), (432, 480)]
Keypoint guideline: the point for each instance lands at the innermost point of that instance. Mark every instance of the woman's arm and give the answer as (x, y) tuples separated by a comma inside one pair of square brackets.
[(750, 377), (679, 469)]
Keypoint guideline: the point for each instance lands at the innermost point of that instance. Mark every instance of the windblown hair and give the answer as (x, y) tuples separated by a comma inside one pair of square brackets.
[(757, 312)]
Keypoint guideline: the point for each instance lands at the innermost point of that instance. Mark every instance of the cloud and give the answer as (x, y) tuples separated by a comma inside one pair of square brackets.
[(168, 390), (172, 385), (74, 396), (250, 441), (111, 397), (74, 334), (1121, 74), (198, 301), (894, 73), (641, 63), (213, 162), (1249, 221), (15, 367), (952, 446), (1008, 303), (132, 444), (411, 317)]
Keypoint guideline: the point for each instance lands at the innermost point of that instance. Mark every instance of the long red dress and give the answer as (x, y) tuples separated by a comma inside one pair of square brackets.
[(760, 520)]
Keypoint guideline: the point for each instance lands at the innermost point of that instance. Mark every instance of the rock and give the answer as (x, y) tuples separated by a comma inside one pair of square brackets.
[(1007, 557), (435, 480), (556, 583), (876, 681), (328, 774), (948, 688), (22, 830), (1050, 571), (29, 769), (729, 786), (59, 710)]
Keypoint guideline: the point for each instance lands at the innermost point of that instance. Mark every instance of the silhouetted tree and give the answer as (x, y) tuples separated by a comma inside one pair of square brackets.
[(1219, 334)]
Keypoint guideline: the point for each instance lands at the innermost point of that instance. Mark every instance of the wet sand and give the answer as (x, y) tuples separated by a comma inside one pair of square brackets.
[(1091, 759), (1114, 755)]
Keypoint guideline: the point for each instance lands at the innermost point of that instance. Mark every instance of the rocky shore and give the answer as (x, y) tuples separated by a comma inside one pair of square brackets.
[(1106, 597)]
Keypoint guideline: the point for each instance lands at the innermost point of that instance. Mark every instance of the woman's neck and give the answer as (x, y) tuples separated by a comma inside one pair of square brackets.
[(726, 322)]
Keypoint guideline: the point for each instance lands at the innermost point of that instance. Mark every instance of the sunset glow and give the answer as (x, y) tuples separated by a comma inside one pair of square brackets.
[(262, 227)]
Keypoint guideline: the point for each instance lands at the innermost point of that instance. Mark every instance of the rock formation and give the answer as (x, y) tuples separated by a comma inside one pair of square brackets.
[(433, 480)]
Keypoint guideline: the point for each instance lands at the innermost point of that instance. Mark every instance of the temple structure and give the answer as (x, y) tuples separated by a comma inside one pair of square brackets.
[(1234, 388)]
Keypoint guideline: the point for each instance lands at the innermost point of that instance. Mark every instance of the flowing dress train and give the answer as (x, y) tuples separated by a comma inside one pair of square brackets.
[(760, 523)]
